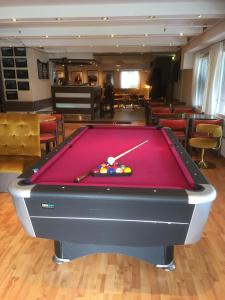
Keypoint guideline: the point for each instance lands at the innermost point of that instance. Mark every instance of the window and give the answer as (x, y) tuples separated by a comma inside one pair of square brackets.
[(130, 79), (202, 68), (220, 108)]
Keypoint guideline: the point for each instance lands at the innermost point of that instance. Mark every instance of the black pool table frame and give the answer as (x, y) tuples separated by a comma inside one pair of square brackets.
[(144, 223)]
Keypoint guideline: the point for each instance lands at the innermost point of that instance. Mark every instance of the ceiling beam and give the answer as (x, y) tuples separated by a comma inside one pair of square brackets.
[(188, 8), (106, 30)]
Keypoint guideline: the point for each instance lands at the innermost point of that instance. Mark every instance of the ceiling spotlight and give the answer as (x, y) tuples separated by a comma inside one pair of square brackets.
[(14, 19), (199, 16), (46, 36), (181, 34), (112, 35), (104, 18)]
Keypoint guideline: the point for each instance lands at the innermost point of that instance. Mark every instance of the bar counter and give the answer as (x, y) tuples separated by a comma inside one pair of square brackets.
[(76, 99)]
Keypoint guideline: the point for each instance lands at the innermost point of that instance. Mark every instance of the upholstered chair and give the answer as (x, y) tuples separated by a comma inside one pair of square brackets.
[(211, 139), (19, 145), (48, 134), (178, 127)]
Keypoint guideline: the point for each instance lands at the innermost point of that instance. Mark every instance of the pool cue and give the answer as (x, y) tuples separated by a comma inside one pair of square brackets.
[(128, 151), (79, 178)]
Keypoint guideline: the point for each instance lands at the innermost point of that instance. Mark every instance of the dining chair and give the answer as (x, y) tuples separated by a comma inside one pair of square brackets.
[(178, 127), (60, 126), (195, 123), (210, 139), (48, 134)]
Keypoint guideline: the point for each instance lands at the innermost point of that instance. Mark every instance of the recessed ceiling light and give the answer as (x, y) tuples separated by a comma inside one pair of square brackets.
[(14, 19), (104, 18), (181, 34)]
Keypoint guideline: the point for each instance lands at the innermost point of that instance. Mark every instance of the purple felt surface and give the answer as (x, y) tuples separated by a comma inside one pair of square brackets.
[(154, 164)]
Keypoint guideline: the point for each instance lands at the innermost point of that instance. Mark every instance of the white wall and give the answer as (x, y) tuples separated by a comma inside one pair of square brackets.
[(40, 88)]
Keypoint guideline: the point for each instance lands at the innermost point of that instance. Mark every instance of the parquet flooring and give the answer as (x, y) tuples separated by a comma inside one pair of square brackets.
[(28, 273)]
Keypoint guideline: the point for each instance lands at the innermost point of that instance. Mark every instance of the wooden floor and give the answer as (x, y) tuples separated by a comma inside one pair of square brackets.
[(27, 271)]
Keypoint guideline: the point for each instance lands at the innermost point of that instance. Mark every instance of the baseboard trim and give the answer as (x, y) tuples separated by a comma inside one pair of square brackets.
[(27, 105)]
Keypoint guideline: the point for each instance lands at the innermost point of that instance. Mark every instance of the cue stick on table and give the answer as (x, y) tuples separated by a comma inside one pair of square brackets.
[(79, 178)]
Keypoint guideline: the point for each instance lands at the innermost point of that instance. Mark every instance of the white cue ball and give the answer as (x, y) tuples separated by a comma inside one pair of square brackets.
[(111, 160)]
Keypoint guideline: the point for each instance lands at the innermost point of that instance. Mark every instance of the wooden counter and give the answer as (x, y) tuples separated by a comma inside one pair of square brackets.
[(76, 99)]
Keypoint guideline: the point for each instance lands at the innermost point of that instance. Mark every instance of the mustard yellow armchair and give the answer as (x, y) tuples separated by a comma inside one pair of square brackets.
[(210, 139), (19, 145)]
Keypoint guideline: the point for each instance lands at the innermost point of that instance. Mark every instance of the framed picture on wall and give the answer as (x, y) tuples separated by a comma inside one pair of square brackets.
[(7, 51), (77, 77), (11, 95), (8, 73), (8, 62), (22, 74), (42, 70), (108, 75), (10, 85), (20, 51), (23, 85), (21, 62), (92, 77)]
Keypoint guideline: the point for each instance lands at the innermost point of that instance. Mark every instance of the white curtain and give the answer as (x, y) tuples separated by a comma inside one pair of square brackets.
[(194, 80), (213, 81)]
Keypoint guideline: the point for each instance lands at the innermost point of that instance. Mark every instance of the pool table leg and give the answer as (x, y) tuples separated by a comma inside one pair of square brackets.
[(169, 263), (58, 257), (59, 261)]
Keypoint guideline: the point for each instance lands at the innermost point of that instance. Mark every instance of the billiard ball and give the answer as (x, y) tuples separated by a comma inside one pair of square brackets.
[(111, 160)]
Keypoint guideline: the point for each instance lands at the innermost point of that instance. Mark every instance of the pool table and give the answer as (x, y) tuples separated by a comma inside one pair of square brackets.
[(165, 202)]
